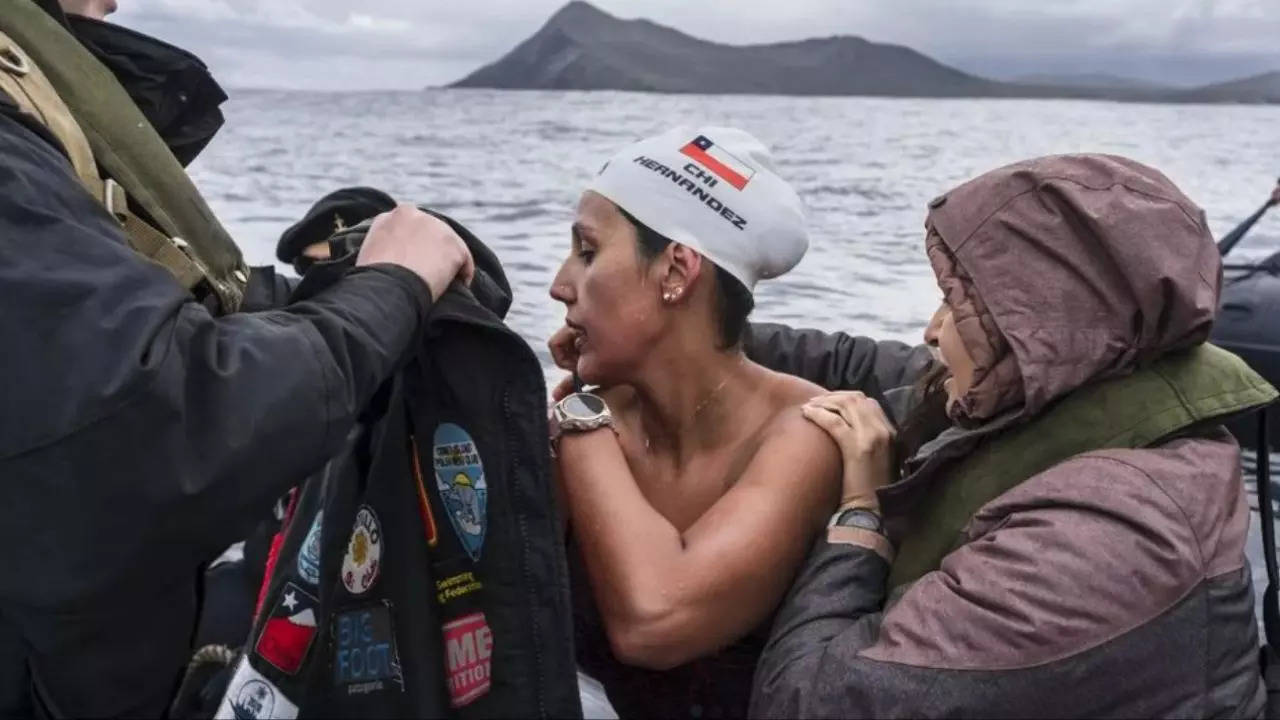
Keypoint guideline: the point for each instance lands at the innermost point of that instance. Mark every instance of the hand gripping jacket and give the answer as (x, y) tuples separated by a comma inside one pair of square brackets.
[(421, 574), (117, 155)]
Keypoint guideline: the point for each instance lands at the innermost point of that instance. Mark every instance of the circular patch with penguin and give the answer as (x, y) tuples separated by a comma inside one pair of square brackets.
[(460, 479)]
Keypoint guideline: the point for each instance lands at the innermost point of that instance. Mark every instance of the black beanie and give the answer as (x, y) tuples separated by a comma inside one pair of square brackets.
[(338, 210)]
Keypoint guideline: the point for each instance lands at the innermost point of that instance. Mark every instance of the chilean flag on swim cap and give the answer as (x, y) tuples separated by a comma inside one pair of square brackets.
[(715, 190), (719, 161)]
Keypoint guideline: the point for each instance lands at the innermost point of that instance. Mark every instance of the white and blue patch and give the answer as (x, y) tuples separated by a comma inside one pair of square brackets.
[(309, 557), (460, 478), (250, 696)]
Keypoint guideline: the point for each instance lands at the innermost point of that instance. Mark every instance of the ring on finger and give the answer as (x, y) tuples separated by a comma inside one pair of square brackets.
[(835, 410)]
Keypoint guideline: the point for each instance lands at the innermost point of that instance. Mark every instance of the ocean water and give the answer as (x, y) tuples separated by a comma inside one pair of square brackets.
[(511, 165)]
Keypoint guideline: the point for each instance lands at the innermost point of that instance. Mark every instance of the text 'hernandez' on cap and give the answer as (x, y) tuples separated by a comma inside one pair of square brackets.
[(715, 190)]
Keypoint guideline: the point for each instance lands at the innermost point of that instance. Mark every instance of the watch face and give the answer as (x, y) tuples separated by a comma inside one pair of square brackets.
[(583, 406), (860, 519)]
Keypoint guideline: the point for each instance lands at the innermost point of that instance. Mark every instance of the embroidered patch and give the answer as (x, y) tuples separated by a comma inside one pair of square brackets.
[(460, 478), (424, 504), (364, 650), (363, 560), (460, 585), (468, 648), (251, 696), (287, 635), (309, 557)]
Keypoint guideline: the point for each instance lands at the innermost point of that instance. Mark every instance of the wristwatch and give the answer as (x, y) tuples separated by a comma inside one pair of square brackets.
[(862, 518), (579, 412)]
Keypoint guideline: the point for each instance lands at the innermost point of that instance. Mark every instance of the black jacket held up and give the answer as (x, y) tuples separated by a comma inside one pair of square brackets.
[(421, 574)]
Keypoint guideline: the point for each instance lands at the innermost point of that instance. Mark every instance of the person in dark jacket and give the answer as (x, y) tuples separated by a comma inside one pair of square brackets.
[(141, 430), (1074, 545)]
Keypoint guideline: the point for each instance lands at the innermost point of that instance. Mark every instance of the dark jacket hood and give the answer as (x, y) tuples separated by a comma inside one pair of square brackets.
[(172, 87), (1068, 269)]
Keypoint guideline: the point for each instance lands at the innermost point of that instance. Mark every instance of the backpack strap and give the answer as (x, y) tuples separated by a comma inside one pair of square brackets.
[(23, 81)]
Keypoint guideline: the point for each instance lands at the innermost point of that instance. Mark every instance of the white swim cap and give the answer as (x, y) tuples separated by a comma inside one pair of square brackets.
[(715, 190)]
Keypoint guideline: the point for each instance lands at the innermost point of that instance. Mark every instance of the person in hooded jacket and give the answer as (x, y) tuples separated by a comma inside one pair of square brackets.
[(145, 430), (1074, 544)]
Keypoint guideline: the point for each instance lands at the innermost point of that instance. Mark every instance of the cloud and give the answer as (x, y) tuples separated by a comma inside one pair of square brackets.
[(378, 24), (410, 43)]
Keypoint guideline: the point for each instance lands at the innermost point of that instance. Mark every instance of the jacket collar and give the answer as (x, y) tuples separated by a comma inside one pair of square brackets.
[(171, 86)]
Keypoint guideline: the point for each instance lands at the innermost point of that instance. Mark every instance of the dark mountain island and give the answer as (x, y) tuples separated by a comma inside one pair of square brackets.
[(584, 48), (1263, 88)]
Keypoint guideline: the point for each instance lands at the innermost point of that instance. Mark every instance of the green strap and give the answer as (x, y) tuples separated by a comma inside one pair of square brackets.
[(1177, 392), (153, 245), (126, 147)]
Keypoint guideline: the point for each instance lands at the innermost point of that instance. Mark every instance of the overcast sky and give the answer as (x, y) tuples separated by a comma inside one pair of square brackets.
[(375, 44)]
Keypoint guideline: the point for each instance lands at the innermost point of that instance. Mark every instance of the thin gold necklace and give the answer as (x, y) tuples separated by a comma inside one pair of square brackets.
[(711, 396), (702, 405)]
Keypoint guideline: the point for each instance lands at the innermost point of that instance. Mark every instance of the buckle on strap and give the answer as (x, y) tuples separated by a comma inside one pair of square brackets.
[(115, 199), (172, 253), (13, 61)]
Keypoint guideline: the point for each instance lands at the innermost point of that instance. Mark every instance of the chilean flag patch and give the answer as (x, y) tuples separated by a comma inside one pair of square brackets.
[(287, 636), (719, 161)]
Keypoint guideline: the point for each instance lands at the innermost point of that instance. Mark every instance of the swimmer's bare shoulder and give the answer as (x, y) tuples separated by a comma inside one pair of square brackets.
[(787, 393), (788, 431), (792, 391)]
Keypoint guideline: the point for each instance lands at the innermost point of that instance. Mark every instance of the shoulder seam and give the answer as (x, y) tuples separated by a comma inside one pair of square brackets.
[(1097, 456)]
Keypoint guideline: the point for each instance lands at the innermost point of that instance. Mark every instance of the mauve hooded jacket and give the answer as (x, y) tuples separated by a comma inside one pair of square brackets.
[(1113, 584)]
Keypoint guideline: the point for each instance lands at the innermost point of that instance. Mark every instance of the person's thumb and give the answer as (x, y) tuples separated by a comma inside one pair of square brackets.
[(562, 389), (468, 271)]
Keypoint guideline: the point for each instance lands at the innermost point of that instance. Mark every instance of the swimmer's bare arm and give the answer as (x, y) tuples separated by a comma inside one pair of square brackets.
[(669, 597)]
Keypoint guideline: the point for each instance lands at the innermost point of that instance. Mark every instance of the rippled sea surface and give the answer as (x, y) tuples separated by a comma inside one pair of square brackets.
[(510, 166)]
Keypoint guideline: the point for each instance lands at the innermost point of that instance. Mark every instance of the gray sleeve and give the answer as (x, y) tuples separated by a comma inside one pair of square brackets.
[(832, 612), (837, 361)]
